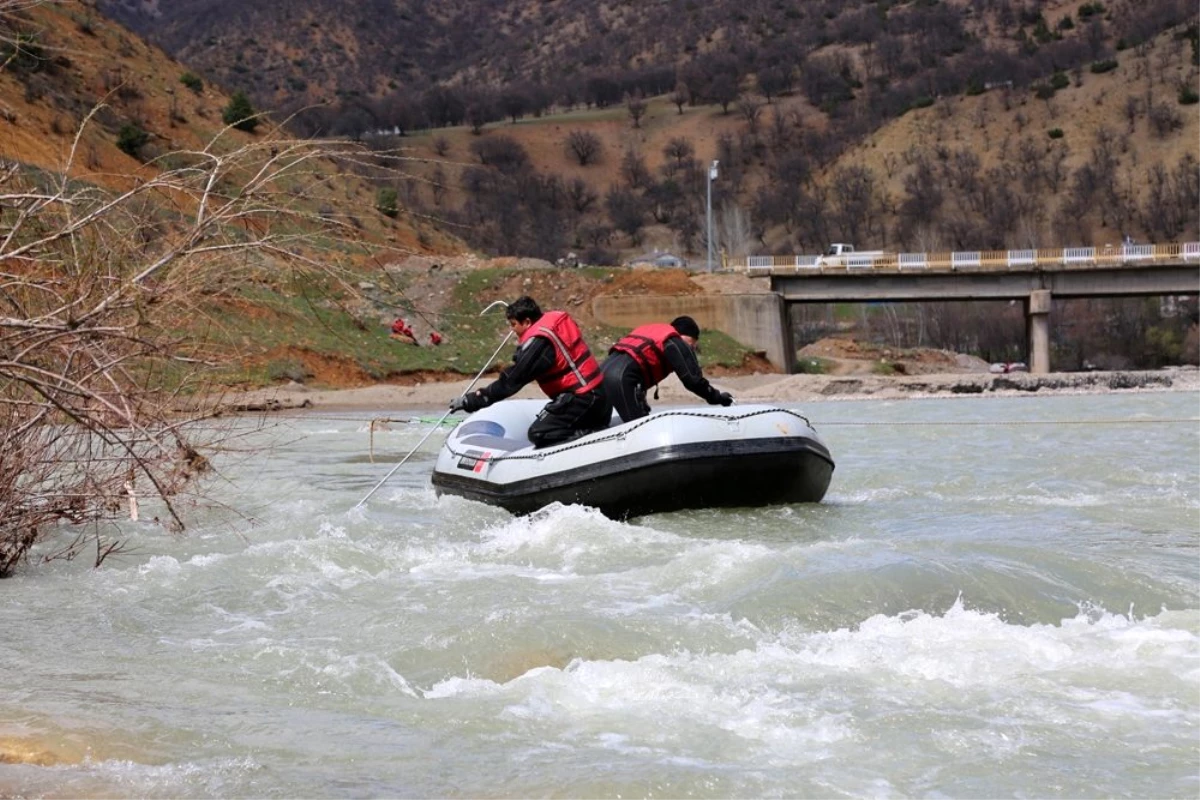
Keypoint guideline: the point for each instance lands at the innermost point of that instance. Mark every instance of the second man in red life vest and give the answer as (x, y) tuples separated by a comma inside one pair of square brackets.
[(650, 353), (551, 351)]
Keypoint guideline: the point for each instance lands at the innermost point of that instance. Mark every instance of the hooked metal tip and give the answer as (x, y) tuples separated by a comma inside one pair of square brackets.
[(492, 305)]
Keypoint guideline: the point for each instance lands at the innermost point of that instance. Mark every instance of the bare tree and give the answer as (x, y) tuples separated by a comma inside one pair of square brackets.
[(772, 80), (635, 104), (680, 149), (857, 202), (733, 234), (585, 146), (99, 291), (1133, 108), (1163, 119), (479, 114), (627, 211), (750, 109), (634, 170), (680, 96), (437, 183), (723, 90), (580, 196)]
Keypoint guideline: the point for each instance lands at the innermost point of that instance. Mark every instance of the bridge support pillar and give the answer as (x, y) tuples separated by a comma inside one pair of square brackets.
[(1037, 315), (787, 338)]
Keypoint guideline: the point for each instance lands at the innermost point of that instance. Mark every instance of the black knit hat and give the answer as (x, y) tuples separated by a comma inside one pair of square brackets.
[(686, 326)]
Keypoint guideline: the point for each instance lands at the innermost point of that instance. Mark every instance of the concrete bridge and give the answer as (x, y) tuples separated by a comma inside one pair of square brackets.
[(1032, 276)]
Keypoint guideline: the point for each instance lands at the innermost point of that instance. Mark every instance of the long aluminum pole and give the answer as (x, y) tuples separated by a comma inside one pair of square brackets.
[(478, 375)]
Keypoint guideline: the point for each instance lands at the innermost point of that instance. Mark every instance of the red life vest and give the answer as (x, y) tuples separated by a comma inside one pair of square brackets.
[(645, 345), (574, 370)]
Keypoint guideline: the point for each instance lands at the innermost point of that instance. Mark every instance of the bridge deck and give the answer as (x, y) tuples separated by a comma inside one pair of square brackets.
[(1033, 276), (1083, 258)]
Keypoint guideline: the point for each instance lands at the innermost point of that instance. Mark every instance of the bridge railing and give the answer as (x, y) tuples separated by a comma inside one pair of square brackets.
[(968, 260), (1079, 255), (1020, 258)]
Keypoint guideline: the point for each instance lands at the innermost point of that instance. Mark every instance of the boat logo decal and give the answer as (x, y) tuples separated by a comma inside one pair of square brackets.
[(474, 460)]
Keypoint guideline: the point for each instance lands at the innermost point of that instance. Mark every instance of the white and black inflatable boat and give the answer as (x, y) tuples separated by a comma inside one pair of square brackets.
[(744, 455)]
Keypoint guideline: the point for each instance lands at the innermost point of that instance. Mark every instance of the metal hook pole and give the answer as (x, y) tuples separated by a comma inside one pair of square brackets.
[(479, 374)]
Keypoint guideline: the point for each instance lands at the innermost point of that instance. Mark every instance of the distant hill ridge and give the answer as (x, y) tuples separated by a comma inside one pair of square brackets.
[(929, 124), (357, 55)]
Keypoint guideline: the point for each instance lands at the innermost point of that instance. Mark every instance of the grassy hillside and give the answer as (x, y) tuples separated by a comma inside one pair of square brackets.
[(316, 335)]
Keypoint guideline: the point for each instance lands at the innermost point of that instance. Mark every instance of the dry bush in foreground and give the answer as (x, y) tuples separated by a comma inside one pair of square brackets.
[(95, 286)]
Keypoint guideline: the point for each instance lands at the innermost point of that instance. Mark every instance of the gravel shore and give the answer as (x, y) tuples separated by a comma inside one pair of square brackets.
[(759, 388)]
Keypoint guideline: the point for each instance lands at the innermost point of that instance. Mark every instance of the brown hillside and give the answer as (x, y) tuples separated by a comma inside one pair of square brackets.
[(63, 109), (993, 126), (865, 99)]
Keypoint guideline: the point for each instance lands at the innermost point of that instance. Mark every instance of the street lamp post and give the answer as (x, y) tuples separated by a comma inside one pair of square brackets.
[(712, 176)]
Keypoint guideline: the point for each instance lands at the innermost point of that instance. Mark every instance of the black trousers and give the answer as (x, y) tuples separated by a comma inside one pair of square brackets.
[(623, 382), (568, 416)]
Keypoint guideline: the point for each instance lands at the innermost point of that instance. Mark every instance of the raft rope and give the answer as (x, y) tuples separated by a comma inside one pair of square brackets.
[(383, 422), (538, 455)]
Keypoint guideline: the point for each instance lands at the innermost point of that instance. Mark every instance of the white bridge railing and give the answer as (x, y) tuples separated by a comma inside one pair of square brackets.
[(973, 260)]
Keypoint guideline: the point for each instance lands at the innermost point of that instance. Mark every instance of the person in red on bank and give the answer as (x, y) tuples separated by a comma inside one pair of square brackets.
[(650, 353), (403, 331), (551, 351)]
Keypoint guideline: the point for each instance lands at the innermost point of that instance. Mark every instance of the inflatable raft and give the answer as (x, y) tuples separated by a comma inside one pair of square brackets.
[(743, 455)]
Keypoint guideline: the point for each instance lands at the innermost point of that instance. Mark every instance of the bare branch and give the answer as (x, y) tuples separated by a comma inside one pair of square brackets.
[(97, 289)]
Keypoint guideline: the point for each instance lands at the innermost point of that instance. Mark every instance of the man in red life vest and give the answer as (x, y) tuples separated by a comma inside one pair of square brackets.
[(551, 351), (649, 354)]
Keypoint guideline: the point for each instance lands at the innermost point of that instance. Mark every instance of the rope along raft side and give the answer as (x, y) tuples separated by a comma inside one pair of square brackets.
[(670, 460)]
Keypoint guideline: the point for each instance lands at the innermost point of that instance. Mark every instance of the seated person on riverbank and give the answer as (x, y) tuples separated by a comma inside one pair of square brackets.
[(402, 331), (647, 355), (551, 351)]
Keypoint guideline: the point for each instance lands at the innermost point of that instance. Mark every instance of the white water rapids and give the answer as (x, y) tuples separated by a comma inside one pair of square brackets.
[(976, 610)]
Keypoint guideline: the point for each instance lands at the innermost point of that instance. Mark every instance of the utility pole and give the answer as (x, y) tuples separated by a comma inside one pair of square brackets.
[(712, 176)]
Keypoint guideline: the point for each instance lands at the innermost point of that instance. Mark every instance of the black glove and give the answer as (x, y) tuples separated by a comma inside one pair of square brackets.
[(469, 403), (720, 399)]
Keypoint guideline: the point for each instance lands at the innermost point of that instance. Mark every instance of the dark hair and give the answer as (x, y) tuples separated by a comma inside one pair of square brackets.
[(524, 309), (686, 326)]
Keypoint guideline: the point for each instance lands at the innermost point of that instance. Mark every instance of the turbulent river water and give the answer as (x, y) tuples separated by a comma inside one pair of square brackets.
[(998, 597)]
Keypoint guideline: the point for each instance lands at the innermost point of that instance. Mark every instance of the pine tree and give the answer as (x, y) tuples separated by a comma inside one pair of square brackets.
[(240, 113)]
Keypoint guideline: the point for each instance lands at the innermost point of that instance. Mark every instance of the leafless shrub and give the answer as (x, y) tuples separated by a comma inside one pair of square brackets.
[(97, 290), (635, 104), (678, 150), (750, 109), (584, 145), (680, 97), (1164, 119), (1133, 108)]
